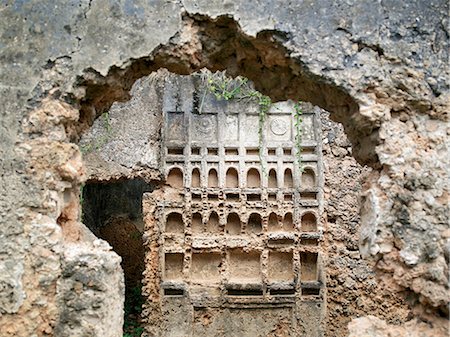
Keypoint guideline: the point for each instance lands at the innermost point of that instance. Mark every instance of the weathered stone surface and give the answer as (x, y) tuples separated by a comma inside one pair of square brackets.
[(371, 326), (125, 141), (353, 289), (380, 68), (90, 291)]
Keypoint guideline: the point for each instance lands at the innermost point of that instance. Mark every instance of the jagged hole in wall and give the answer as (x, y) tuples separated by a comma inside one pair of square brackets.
[(113, 212), (219, 44)]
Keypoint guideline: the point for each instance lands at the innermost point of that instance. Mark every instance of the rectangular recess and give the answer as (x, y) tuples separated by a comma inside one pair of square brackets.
[(272, 197), (232, 197), (287, 151), (245, 266), (175, 151), (173, 266), (252, 152), (253, 197), (213, 151), (231, 151), (310, 242), (308, 150), (288, 197), (308, 195), (308, 263), (174, 292), (281, 266), (271, 152), (244, 292), (282, 292), (205, 267), (196, 197), (281, 242), (213, 197), (195, 151), (310, 291)]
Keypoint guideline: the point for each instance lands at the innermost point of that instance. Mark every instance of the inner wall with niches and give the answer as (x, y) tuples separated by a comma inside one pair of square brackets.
[(238, 223)]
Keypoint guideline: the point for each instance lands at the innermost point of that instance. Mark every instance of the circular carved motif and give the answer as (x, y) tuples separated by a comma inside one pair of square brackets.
[(278, 127), (205, 125)]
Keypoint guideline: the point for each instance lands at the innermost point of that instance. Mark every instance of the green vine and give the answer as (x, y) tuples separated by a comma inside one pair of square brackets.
[(240, 89), (298, 136), (264, 106)]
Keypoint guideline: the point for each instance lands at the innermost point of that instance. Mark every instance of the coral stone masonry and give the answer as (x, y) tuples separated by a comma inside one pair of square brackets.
[(236, 230), (229, 236)]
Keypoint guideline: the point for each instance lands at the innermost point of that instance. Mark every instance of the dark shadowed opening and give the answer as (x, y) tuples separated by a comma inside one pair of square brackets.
[(113, 212)]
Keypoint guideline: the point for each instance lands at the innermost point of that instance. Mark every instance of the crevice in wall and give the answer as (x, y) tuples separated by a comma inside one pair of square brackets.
[(113, 212)]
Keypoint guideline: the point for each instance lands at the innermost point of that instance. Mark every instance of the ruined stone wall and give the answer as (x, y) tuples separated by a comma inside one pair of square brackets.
[(352, 287), (380, 68)]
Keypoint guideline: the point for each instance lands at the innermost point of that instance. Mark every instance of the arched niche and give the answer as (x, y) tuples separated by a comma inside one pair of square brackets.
[(175, 177), (197, 223), (232, 178), (174, 223), (308, 179), (254, 224), (253, 178), (213, 178), (273, 224), (213, 223), (233, 226), (272, 179), (195, 180), (309, 222), (288, 179), (288, 222)]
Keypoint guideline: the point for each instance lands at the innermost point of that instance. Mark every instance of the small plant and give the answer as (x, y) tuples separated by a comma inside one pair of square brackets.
[(298, 137), (239, 88), (223, 87)]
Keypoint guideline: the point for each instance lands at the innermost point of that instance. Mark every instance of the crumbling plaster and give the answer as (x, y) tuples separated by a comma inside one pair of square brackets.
[(379, 67)]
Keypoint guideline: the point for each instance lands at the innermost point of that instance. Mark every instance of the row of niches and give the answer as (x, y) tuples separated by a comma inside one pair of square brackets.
[(224, 152), (236, 267), (251, 196), (233, 224), (231, 178)]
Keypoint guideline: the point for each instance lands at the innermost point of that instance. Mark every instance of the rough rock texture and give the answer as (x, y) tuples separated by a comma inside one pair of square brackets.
[(352, 286), (380, 68), (371, 326), (124, 141), (91, 279)]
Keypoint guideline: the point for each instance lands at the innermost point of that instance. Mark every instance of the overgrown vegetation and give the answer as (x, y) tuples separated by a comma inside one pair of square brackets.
[(132, 326), (241, 89)]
